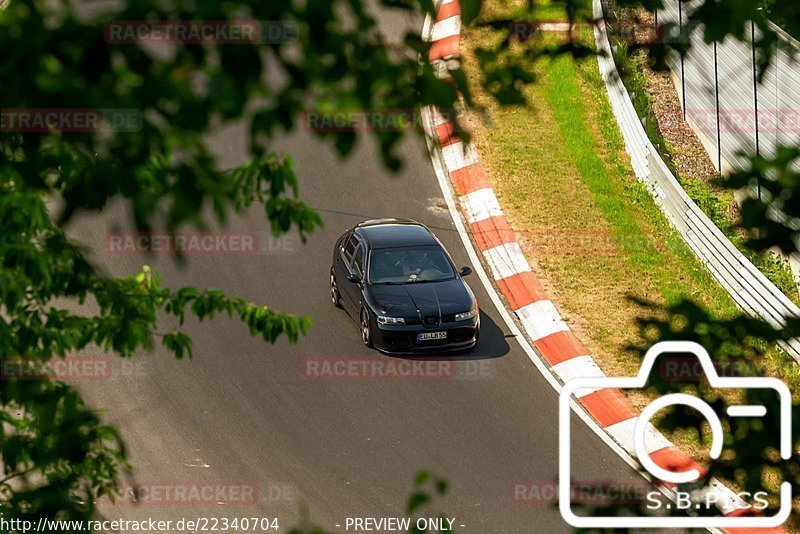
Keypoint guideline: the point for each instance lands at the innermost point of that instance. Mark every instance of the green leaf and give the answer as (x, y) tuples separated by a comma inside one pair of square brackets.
[(416, 501), (470, 9)]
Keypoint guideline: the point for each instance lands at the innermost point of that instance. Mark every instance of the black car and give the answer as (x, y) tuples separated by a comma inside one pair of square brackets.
[(396, 279)]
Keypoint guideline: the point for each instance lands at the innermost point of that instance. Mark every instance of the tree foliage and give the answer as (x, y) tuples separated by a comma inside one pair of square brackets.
[(56, 456)]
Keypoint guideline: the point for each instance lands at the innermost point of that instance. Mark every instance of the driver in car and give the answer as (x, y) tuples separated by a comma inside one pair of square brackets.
[(417, 265), (385, 269)]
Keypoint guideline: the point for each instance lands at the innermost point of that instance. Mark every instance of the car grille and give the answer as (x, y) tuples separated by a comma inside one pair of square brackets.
[(430, 321)]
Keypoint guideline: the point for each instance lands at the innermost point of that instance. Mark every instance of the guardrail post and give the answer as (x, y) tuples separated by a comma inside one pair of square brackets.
[(755, 96), (683, 66), (716, 92)]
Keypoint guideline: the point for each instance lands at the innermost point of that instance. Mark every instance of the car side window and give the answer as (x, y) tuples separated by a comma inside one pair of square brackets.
[(349, 247), (357, 264)]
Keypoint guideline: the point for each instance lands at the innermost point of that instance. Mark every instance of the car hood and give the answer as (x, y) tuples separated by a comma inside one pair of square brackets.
[(422, 299)]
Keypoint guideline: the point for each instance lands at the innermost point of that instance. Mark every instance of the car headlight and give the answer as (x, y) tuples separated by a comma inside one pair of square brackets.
[(466, 315), (383, 319)]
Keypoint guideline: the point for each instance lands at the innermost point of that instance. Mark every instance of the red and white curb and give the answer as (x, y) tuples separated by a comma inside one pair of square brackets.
[(445, 33), (563, 355)]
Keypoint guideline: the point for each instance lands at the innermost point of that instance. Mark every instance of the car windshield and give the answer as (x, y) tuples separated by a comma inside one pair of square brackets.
[(411, 265)]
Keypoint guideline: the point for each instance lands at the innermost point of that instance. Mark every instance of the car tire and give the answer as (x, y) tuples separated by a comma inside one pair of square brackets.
[(366, 329), (335, 296)]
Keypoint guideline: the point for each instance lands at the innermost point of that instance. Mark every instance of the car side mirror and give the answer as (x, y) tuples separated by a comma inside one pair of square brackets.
[(465, 271), (353, 277)]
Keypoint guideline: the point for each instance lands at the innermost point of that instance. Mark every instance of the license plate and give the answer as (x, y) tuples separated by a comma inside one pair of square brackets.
[(427, 336)]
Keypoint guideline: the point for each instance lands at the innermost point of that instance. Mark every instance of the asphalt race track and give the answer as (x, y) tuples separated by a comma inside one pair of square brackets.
[(242, 412)]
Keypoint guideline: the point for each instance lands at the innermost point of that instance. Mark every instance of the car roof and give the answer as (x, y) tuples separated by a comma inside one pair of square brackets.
[(390, 233)]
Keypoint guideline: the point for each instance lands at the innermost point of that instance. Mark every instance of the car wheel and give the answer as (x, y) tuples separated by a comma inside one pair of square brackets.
[(335, 296), (366, 329)]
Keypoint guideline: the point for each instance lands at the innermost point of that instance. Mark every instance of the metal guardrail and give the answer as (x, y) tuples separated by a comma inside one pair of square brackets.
[(748, 287), (725, 102)]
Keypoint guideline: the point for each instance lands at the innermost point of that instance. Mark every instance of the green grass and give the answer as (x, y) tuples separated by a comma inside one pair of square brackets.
[(718, 204), (592, 230), (632, 72), (543, 10), (561, 172), (623, 203)]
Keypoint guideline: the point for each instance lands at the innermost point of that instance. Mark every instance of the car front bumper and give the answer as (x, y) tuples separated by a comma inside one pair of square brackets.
[(403, 339)]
